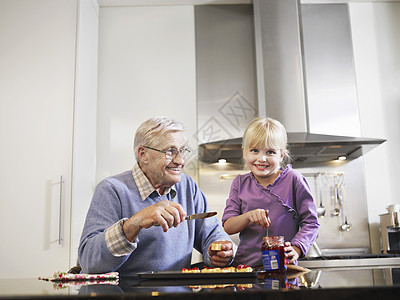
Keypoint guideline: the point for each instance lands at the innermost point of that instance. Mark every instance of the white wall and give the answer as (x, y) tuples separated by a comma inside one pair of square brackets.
[(146, 69), (85, 108), (376, 44)]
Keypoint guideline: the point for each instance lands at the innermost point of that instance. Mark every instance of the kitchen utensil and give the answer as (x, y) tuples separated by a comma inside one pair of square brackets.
[(196, 216), (337, 184), (336, 210), (321, 211), (201, 215), (345, 226), (266, 213)]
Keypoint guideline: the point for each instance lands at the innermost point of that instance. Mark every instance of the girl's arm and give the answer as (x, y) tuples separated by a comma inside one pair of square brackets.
[(308, 222), (236, 224)]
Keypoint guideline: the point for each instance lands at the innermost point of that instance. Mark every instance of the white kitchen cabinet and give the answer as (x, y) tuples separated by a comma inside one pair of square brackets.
[(147, 68), (37, 92)]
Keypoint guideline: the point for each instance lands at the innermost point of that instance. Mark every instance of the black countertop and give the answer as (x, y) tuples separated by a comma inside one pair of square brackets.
[(376, 282)]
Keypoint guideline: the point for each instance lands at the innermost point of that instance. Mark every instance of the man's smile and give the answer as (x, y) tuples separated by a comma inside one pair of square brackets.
[(175, 169)]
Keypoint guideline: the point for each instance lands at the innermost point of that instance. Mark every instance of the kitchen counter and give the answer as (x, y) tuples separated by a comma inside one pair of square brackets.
[(376, 282), (361, 260)]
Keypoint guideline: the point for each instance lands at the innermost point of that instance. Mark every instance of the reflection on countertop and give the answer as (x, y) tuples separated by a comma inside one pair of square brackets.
[(382, 279), (351, 277)]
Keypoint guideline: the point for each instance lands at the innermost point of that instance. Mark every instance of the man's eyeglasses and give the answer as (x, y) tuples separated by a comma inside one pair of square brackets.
[(171, 153)]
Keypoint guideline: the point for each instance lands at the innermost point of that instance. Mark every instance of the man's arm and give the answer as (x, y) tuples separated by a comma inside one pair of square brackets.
[(99, 236)]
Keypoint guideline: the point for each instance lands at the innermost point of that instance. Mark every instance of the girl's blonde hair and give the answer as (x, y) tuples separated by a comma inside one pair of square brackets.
[(266, 133)]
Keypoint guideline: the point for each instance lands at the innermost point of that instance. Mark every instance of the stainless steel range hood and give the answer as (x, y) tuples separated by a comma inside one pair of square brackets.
[(306, 81), (305, 148)]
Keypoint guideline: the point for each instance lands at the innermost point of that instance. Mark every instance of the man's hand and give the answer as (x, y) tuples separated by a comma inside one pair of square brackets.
[(166, 213), (221, 258)]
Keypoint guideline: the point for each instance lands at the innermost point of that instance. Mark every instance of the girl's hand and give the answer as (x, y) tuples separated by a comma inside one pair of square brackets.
[(259, 217), (292, 253)]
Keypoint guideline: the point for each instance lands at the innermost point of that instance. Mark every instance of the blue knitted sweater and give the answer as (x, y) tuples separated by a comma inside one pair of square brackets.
[(117, 197)]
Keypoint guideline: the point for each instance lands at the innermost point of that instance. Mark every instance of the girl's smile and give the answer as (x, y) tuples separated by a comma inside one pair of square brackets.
[(264, 163), (261, 167)]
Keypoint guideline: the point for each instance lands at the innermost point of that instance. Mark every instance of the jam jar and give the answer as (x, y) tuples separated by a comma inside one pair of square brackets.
[(273, 255)]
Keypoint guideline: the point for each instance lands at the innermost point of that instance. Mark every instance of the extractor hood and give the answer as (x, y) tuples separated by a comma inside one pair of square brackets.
[(311, 90), (305, 148)]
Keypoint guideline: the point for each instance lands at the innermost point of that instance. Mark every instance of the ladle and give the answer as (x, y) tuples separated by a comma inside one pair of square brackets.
[(336, 210), (337, 184), (321, 211), (345, 226)]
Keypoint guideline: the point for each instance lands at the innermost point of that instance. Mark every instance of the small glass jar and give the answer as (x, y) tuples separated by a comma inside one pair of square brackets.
[(273, 255)]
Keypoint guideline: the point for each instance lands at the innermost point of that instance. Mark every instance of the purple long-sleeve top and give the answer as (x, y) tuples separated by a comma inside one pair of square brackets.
[(292, 211)]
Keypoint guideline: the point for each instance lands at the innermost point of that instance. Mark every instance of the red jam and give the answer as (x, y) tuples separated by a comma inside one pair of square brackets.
[(273, 255), (242, 266)]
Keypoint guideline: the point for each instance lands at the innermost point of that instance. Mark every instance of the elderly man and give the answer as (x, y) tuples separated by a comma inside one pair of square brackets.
[(135, 222)]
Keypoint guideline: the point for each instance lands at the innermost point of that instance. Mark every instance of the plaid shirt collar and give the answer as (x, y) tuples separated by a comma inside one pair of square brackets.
[(144, 186)]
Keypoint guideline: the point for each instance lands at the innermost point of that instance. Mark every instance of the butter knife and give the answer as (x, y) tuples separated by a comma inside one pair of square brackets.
[(196, 216), (201, 215)]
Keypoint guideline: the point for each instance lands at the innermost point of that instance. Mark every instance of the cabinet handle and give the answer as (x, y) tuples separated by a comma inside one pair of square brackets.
[(60, 219)]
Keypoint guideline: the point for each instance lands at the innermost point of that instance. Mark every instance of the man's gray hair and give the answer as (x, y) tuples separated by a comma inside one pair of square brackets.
[(149, 133)]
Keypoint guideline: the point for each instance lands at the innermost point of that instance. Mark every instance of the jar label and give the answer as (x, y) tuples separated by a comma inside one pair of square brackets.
[(270, 259), (272, 284)]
